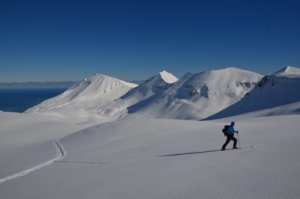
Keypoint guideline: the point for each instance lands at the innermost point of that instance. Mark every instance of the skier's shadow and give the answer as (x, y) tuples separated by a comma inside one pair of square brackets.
[(189, 153)]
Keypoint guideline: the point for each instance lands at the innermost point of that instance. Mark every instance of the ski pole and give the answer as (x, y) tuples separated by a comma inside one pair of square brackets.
[(239, 140)]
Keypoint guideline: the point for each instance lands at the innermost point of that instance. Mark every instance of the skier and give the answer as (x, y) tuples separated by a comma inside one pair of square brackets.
[(230, 136)]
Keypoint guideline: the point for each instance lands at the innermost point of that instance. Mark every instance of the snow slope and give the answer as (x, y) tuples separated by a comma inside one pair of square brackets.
[(102, 97), (27, 140), (196, 96), (155, 158), (148, 90), (93, 96), (276, 94), (152, 86), (289, 72)]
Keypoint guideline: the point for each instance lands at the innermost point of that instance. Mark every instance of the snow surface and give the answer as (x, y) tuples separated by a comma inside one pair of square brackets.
[(27, 140), (156, 158), (70, 146)]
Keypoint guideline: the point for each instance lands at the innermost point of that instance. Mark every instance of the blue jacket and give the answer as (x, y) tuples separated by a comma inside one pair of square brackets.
[(231, 130)]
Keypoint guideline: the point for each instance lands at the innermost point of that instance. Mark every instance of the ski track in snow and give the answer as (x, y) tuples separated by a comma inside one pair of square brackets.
[(60, 154), (143, 159)]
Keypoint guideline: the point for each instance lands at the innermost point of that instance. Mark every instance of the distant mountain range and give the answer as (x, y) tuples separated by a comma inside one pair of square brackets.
[(211, 94), (47, 84)]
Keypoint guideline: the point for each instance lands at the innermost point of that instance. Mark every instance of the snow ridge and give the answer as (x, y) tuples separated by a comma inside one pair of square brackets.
[(289, 72), (88, 94), (279, 89), (196, 96), (210, 94), (152, 86), (168, 77)]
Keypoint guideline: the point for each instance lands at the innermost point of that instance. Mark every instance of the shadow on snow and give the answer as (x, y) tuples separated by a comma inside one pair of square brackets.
[(190, 153)]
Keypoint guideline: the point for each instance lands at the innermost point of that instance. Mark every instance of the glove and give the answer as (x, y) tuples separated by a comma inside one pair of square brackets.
[(237, 132)]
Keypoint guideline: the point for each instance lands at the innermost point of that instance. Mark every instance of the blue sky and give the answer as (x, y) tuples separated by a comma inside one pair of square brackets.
[(132, 40)]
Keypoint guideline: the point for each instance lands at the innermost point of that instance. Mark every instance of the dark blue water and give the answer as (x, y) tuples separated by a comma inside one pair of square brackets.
[(19, 100)]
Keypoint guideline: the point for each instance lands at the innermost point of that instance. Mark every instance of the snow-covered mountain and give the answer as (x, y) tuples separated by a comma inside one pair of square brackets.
[(105, 96), (149, 89), (95, 94), (275, 94), (196, 96), (179, 158), (206, 95)]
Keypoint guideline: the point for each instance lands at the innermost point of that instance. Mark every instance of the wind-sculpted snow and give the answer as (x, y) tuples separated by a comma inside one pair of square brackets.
[(277, 94)]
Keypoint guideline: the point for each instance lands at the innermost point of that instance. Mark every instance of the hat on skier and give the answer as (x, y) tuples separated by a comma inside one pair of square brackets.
[(232, 123)]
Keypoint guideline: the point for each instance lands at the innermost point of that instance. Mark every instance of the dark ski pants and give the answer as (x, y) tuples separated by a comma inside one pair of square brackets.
[(230, 137)]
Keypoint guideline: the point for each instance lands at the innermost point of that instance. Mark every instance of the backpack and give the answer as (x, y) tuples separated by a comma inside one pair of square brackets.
[(224, 130)]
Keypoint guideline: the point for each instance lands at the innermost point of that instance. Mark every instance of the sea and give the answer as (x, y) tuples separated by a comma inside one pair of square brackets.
[(20, 99)]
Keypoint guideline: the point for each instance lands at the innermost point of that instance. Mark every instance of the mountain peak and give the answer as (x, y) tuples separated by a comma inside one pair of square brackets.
[(288, 71), (89, 94), (99, 78), (168, 77)]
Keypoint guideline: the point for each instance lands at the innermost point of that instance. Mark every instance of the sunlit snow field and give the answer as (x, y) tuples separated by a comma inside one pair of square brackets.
[(151, 158), (105, 138)]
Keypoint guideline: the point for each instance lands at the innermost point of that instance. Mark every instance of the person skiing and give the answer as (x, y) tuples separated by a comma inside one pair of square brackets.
[(230, 136)]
